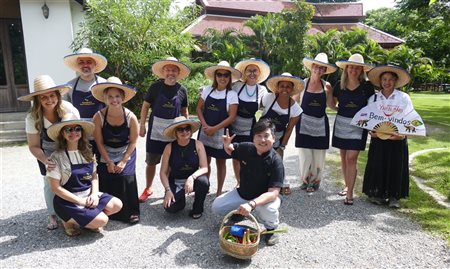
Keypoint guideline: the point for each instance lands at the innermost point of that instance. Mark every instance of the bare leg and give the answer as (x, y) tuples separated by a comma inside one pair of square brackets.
[(221, 173), (113, 206), (350, 177), (98, 223), (237, 171), (150, 171), (343, 154)]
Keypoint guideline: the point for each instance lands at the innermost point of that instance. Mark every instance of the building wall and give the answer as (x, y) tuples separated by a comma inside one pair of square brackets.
[(47, 41)]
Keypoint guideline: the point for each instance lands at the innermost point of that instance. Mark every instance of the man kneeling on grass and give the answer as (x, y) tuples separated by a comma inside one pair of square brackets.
[(262, 176)]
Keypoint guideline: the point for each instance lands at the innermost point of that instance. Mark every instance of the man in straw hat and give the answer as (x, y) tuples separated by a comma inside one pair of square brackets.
[(168, 100), (87, 64), (48, 108), (262, 176), (349, 96)]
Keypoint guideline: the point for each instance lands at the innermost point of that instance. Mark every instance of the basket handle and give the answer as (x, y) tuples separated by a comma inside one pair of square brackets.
[(250, 217)]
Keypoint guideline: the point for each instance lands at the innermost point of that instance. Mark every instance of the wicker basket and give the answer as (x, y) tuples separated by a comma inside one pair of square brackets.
[(238, 250)]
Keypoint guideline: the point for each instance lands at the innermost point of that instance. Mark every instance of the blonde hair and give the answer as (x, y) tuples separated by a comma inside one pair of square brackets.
[(37, 112), (344, 78), (84, 146)]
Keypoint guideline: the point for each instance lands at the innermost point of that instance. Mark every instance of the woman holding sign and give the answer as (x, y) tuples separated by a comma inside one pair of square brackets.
[(387, 170)]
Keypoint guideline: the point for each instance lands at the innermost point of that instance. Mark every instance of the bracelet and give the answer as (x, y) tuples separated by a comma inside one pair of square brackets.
[(252, 206)]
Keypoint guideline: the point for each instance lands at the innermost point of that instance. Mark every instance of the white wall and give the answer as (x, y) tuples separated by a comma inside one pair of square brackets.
[(77, 16), (47, 41)]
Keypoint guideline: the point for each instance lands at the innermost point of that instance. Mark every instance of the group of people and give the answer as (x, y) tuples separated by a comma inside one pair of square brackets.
[(85, 139)]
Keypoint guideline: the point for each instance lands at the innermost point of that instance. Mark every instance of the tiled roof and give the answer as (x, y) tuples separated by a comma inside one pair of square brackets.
[(225, 22), (323, 10)]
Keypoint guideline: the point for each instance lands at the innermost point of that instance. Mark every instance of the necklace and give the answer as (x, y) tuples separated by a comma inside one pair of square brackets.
[(250, 95)]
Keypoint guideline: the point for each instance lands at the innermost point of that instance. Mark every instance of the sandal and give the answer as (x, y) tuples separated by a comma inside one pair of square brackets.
[(53, 223), (195, 216), (134, 219), (304, 186), (72, 231), (286, 190), (348, 201), (343, 192), (310, 188)]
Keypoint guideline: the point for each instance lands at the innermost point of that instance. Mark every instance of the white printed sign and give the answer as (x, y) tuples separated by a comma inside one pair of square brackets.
[(390, 117)]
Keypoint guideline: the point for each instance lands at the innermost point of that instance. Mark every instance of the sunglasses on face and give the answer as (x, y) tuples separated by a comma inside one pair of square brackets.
[(77, 129), (182, 129), (225, 75)]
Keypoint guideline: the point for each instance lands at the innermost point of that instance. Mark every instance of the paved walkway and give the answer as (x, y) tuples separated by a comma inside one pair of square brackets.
[(323, 232)]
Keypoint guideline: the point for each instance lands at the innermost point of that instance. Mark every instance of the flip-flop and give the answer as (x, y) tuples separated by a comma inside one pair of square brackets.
[(342, 193), (286, 190), (53, 224), (348, 201), (195, 216), (134, 219)]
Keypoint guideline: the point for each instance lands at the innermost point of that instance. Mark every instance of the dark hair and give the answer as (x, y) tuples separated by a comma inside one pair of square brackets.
[(214, 85), (121, 92), (389, 72), (262, 125)]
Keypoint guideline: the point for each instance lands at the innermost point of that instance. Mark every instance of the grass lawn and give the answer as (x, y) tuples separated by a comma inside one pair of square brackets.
[(434, 108)]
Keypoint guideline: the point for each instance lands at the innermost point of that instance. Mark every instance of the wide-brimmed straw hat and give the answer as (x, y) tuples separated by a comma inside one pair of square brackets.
[(224, 65), (112, 82), (178, 121), (157, 68), (100, 60), (402, 74), (54, 130), (321, 59), (264, 68), (355, 59), (299, 85), (45, 84)]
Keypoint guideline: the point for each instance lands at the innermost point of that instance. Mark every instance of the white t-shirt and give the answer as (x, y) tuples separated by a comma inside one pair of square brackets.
[(396, 95), (267, 101), (262, 90), (232, 98), (71, 113)]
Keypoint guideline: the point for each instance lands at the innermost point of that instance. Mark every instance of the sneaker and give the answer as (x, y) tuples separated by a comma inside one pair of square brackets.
[(377, 200), (272, 238), (394, 203), (145, 195)]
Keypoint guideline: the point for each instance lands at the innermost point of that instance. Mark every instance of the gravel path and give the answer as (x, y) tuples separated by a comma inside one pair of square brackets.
[(323, 232)]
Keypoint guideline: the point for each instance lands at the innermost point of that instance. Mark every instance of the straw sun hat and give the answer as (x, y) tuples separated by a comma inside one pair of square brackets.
[(157, 68), (299, 85), (355, 59), (402, 74), (112, 82), (54, 130), (179, 121), (100, 61), (44, 84), (224, 65), (264, 68), (321, 59)]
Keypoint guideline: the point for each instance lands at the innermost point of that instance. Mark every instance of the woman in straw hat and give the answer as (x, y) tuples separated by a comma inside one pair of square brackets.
[(312, 130), (349, 96), (74, 180), (183, 168), (250, 93), (168, 100), (48, 108), (282, 110), (387, 170), (116, 134), (216, 110)]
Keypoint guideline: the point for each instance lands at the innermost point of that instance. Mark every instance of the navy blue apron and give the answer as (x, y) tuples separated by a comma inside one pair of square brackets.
[(281, 122), (79, 183), (214, 112), (245, 119), (85, 102), (313, 130), (48, 146), (164, 110)]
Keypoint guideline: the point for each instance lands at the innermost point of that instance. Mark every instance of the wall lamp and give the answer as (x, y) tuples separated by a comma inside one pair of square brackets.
[(45, 10)]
